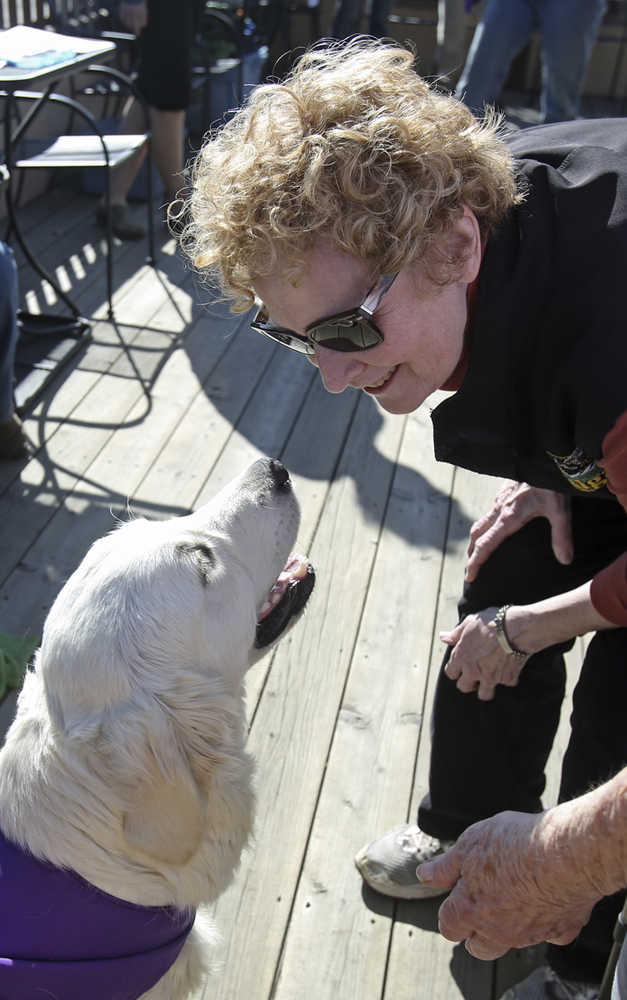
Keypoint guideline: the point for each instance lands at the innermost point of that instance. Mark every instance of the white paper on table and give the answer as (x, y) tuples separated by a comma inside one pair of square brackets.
[(22, 42)]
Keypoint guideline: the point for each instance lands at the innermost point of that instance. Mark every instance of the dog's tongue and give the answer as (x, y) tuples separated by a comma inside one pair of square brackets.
[(296, 568)]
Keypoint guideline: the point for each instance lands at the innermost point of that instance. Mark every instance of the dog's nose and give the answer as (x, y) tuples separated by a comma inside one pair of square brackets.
[(280, 475)]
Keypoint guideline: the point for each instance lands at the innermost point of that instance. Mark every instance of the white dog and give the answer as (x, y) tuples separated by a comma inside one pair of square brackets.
[(125, 789)]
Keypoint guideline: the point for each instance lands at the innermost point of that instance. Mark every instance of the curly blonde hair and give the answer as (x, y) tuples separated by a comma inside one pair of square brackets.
[(352, 146)]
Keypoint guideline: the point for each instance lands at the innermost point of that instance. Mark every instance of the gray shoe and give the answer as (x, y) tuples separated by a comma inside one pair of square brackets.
[(388, 865), (544, 984)]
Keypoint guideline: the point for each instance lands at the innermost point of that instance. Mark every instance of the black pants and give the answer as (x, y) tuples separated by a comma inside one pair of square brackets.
[(490, 756)]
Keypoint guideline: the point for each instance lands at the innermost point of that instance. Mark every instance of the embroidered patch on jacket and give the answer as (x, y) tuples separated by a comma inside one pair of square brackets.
[(580, 470)]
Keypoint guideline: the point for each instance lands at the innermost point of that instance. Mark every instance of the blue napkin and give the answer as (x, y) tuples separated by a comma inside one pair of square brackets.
[(39, 60)]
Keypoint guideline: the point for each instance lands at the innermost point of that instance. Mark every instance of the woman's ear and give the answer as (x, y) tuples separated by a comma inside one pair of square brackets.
[(468, 228)]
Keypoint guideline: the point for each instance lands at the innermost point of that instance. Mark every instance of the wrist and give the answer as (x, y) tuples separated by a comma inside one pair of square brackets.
[(533, 627), (588, 836), (524, 629)]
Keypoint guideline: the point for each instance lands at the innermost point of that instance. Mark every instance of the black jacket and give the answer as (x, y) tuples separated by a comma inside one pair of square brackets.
[(547, 376)]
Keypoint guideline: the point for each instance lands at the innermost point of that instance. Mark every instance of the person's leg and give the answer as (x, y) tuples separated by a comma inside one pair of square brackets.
[(490, 756), (168, 136), (347, 18), (163, 80), (500, 35), (8, 328), (497, 758), (451, 38), (379, 13), (485, 756), (167, 150), (504, 743), (12, 440), (568, 29), (133, 123)]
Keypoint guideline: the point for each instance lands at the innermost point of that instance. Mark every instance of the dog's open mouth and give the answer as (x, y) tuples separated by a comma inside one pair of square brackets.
[(287, 597)]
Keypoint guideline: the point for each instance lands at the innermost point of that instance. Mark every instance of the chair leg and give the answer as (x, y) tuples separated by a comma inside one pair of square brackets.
[(109, 237), (151, 217)]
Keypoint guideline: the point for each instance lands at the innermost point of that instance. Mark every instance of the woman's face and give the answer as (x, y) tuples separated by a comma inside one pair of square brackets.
[(423, 324)]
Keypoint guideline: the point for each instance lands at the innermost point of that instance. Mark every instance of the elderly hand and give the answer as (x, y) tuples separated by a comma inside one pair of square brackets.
[(513, 885), (134, 16), (514, 505), (477, 662)]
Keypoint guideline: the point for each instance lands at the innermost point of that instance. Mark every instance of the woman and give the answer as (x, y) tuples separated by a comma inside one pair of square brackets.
[(403, 246)]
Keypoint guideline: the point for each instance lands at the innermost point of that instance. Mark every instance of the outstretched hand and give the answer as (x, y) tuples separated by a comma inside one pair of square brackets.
[(514, 505), (511, 886)]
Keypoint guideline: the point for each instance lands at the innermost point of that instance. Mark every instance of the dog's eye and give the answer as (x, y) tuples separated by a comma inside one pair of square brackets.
[(204, 557)]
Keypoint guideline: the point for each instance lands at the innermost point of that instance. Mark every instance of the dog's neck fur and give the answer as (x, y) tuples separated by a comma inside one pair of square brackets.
[(54, 786)]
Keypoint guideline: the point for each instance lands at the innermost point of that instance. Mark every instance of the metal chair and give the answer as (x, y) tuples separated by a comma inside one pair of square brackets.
[(94, 150)]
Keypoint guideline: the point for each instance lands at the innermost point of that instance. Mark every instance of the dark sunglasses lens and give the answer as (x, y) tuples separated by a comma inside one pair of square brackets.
[(284, 337), (359, 336)]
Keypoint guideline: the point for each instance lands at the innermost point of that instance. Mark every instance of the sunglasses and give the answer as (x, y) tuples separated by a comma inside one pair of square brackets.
[(353, 330)]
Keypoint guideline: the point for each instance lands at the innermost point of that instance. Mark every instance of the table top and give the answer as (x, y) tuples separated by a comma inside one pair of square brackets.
[(31, 55)]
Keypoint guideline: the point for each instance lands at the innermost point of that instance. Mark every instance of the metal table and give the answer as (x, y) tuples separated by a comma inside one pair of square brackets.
[(46, 340)]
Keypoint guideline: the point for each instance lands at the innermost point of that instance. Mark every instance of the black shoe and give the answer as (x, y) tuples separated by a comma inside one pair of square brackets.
[(121, 224), (13, 441)]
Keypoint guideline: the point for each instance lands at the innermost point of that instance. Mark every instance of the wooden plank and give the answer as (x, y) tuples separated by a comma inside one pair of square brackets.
[(45, 477), (234, 401), (90, 475), (293, 725), (338, 938), (444, 970)]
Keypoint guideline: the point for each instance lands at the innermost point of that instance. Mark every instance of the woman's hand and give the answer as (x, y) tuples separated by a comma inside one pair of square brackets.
[(477, 662), (134, 16), (514, 505)]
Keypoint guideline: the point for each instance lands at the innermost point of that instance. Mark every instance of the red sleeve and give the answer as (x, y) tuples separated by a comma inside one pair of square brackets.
[(609, 587)]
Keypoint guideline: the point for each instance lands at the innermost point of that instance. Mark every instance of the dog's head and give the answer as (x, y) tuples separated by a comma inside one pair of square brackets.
[(146, 646)]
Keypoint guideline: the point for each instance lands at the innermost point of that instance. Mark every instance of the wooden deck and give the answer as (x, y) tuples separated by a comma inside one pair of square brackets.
[(154, 415)]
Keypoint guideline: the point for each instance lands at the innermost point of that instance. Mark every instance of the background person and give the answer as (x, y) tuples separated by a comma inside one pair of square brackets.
[(403, 246), (568, 29), (165, 33)]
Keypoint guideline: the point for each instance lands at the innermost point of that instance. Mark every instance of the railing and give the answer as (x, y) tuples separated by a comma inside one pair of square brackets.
[(40, 13), (37, 13)]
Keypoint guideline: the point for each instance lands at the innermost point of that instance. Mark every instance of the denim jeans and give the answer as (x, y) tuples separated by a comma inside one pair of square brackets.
[(8, 328), (568, 29)]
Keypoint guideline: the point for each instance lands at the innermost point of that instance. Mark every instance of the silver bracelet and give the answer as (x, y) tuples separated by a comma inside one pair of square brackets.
[(501, 634)]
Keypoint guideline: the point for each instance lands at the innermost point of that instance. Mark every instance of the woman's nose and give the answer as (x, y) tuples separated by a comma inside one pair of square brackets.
[(337, 370)]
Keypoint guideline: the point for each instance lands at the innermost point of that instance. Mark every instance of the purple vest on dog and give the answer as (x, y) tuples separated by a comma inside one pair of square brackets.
[(61, 937)]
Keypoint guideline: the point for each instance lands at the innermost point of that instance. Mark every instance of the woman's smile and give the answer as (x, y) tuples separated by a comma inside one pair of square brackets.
[(374, 388)]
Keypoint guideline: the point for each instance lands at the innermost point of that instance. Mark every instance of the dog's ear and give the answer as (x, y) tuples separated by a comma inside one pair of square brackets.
[(165, 752), (165, 820), (202, 555)]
